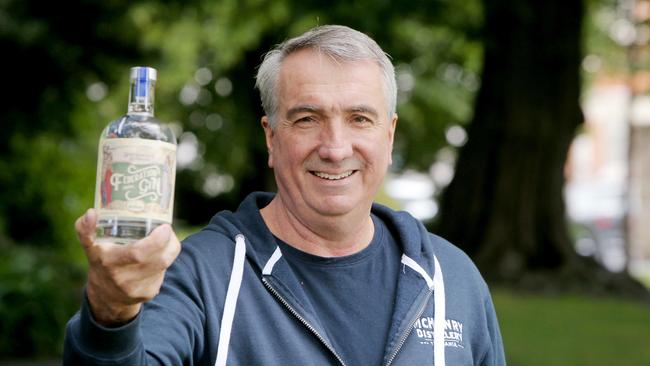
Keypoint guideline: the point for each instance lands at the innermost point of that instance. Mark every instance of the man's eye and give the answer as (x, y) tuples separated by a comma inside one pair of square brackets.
[(305, 119), (360, 119)]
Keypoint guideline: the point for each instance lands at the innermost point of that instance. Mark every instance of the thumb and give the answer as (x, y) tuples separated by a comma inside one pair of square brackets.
[(85, 227), (161, 234)]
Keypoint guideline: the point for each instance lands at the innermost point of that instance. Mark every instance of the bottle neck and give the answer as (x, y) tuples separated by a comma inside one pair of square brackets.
[(141, 97), (140, 109)]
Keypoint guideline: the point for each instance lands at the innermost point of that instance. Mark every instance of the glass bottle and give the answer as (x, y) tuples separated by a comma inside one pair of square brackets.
[(136, 168)]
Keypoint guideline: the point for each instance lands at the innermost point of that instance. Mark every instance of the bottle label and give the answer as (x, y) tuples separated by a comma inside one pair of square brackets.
[(135, 179)]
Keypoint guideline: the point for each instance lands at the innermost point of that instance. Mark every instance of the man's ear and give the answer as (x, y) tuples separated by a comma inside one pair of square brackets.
[(268, 135), (391, 137)]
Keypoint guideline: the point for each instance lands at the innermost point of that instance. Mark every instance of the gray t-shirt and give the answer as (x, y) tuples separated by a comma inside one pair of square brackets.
[(353, 296)]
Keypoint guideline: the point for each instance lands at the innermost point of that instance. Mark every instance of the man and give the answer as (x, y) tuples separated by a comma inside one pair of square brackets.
[(313, 275)]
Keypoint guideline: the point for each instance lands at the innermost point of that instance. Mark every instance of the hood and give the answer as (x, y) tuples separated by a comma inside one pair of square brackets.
[(413, 288), (411, 235)]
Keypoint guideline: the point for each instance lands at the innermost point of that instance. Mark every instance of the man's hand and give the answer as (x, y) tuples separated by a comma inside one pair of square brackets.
[(122, 277)]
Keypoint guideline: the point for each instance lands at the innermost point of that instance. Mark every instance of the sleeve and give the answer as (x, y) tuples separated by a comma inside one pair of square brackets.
[(495, 355), (89, 343), (167, 331)]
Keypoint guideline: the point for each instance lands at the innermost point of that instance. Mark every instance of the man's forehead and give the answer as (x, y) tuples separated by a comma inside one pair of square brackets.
[(316, 59), (312, 80)]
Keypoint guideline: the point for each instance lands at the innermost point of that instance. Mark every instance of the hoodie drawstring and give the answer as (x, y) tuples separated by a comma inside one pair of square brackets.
[(231, 300), (437, 285), (439, 316)]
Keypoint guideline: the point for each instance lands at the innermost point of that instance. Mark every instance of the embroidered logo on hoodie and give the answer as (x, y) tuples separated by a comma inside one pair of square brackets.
[(453, 332)]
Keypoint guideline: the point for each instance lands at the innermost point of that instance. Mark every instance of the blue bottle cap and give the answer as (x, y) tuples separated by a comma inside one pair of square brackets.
[(143, 76)]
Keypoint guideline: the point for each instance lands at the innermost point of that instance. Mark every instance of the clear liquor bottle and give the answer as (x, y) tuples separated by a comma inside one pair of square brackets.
[(136, 168)]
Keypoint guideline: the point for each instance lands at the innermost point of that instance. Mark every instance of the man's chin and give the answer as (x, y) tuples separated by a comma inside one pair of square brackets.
[(336, 205)]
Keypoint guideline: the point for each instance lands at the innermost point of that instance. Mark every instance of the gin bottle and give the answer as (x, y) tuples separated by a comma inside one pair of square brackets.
[(136, 168)]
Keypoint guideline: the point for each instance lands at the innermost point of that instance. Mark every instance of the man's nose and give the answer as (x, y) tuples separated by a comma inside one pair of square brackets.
[(335, 142)]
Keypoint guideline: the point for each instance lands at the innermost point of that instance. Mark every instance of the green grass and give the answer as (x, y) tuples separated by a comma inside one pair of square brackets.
[(573, 330)]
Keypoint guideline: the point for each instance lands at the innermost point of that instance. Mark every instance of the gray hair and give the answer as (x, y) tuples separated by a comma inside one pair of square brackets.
[(340, 43)]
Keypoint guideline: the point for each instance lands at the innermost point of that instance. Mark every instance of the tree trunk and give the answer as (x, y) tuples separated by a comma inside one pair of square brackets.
[(504, 206)]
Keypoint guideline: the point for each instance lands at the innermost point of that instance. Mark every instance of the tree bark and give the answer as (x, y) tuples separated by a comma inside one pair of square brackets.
[(504, 206)]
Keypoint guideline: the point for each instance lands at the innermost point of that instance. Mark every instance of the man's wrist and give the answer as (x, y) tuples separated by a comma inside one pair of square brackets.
[(110, 315), (101, 341)]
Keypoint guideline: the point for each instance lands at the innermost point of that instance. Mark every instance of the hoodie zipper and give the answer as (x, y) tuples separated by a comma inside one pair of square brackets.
[(409, 329), (303, 320)]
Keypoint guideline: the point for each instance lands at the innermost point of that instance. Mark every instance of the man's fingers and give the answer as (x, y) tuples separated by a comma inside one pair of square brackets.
[(155, 242), (85, 227), (171, 246), (161, 234), (159, 248), (120, 277)]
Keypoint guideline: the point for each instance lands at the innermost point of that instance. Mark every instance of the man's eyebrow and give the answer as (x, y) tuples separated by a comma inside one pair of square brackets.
[(303, 108), (363, 109), (311, 108)]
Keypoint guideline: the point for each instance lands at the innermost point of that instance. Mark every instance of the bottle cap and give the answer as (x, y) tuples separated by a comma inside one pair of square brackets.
[(142, 78), (143, 73)]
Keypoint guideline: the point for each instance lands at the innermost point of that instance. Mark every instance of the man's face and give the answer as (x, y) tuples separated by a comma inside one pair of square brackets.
[(332, 141)]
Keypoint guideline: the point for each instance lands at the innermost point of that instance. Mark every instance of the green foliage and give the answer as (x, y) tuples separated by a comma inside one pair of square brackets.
[(572, 330), (47, 159), (38, 290), (443, 62), (603, 55)]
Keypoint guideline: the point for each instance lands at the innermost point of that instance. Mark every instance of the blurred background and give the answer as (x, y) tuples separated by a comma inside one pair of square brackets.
[(524, 138)]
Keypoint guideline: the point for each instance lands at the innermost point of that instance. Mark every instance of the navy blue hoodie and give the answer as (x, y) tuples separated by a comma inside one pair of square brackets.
[(230, 298)]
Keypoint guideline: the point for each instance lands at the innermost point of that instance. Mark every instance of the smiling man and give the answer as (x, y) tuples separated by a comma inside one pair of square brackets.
[(315, 274), (330, 143)]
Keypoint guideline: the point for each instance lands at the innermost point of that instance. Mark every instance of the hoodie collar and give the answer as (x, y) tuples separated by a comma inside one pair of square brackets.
[(410, 234)]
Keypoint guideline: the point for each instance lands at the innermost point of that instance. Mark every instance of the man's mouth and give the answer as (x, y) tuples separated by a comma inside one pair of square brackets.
[(329, 176)]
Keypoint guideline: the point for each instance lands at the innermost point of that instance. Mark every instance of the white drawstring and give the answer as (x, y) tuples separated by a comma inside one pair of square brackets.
[(439, 316), (231, 300), (268, 267), (437, 285)]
